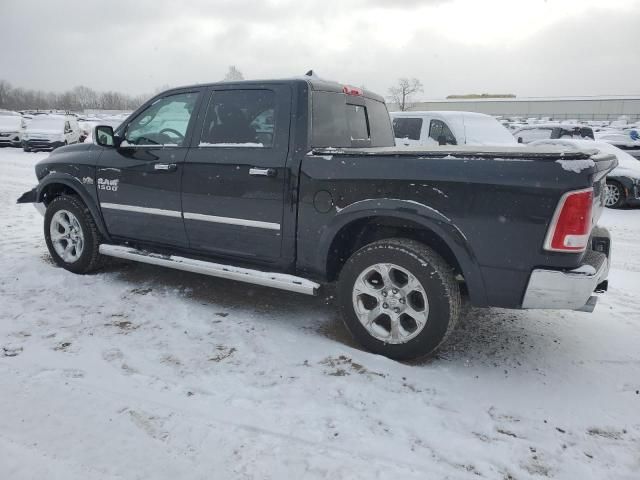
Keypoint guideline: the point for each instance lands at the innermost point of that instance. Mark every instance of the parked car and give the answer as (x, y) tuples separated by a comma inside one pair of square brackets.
[(622, 140), (529, 133), (11, 126), (48, 132), (623, 182), (449, 128), (317, 193), (87, 126)]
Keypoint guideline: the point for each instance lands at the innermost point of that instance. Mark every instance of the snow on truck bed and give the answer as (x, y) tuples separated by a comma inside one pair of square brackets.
[(141, 372)]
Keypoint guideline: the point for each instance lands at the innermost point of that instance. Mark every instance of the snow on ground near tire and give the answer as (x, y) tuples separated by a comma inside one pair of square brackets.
[(141, 372)]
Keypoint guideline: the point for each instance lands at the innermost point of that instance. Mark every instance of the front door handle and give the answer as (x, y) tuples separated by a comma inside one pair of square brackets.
[(165, 167), (265, 172)]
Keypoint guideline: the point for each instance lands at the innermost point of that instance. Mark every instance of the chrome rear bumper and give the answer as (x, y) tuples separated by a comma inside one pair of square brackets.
[(569, 289)]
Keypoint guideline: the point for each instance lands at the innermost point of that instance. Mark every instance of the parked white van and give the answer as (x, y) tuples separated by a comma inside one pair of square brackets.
[(48, 132), (449, 128)]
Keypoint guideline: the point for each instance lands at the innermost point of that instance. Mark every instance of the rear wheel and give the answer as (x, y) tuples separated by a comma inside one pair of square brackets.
[(614, 195), (71, 235), (399, 298)]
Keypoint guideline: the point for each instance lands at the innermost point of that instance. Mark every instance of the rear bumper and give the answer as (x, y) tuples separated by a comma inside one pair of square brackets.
[(571, 289)]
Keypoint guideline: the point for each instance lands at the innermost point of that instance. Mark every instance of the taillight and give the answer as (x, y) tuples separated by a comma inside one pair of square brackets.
[(571, 225), (348, 90)]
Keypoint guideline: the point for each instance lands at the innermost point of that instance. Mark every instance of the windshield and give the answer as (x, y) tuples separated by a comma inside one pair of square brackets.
[(46, 123), (485, 130)]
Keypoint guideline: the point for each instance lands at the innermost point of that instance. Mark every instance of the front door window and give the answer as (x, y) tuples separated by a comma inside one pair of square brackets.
[(164, 122)]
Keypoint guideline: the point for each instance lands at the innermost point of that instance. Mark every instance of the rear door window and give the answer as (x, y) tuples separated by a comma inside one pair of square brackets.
[(240, 118), (408, 128)]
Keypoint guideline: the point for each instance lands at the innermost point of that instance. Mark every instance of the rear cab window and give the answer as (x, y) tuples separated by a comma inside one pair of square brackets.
[(340, 120)]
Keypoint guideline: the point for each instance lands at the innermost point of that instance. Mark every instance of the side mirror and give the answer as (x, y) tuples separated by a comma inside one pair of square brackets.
[(519, 139), (103, 136), (442, 140)]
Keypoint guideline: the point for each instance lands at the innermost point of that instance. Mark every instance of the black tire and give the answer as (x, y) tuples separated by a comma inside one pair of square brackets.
[(90, 258), (26, 149), (434, 274), (622, 199)]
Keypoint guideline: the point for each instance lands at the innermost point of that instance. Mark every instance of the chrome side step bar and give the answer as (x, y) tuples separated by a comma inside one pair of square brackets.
[(267, 279)]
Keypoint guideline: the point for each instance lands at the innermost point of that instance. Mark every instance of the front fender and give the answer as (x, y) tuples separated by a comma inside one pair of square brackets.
[(75, 184), (416, 213)]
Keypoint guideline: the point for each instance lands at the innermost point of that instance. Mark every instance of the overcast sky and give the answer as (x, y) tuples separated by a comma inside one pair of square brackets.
[(526, 47)]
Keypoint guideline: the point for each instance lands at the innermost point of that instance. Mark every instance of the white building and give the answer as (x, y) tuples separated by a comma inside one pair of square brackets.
[(558, 108)]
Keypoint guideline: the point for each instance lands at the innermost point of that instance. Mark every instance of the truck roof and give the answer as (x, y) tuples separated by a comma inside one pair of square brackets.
[(314, 82)]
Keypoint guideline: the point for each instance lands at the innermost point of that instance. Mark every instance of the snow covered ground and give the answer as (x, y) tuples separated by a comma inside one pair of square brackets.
[(140, 372)]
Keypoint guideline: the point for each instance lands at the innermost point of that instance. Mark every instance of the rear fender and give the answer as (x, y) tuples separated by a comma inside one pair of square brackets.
[(416, 213)]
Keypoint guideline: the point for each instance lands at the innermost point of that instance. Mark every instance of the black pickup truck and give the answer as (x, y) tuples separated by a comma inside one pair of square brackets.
[(297, 183)]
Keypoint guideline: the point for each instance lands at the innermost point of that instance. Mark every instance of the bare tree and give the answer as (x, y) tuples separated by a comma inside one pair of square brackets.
[(77, 99), (403, 92), (233, 74), (85, 97), (5, 90)]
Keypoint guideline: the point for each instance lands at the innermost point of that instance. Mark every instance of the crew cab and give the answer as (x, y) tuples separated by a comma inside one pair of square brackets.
[(297, 184), (430, 128)]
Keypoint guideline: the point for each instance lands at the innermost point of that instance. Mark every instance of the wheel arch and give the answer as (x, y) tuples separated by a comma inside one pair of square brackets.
[(62, 184), (354, 228), (624, 182)]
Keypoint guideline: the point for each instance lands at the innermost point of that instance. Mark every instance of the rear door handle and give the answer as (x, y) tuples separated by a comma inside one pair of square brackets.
[(265, 172), (165, 167)]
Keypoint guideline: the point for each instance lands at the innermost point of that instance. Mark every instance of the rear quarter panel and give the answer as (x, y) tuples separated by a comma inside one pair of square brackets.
[(501, 208)]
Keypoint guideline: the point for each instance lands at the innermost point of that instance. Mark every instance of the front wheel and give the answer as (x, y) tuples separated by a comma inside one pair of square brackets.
[(71, 235), (399, 298), (614, 195)]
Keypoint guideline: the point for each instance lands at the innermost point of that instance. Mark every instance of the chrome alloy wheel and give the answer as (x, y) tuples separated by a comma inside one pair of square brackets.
[(390, 302), (67, 237), (611, 195)]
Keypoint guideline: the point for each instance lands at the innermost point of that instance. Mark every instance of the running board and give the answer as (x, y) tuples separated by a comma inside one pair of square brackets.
[(267, 279)]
